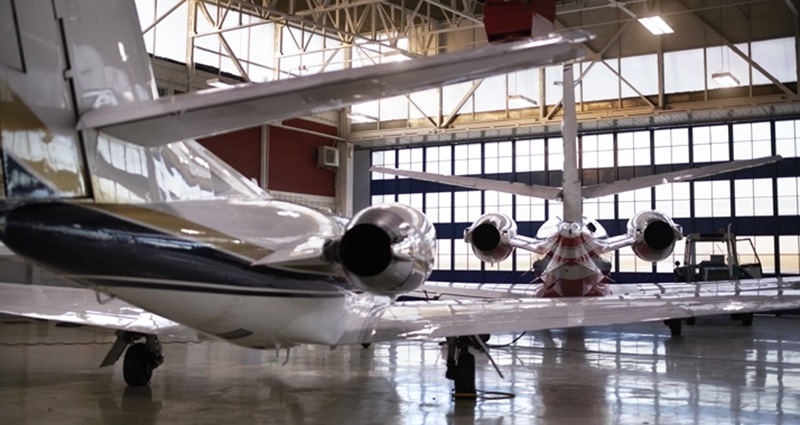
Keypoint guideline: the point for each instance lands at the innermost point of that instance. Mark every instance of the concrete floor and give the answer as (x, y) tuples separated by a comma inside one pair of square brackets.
[(718, 372)]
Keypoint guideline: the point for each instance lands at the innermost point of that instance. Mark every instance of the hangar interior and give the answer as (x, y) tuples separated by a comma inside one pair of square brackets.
[(645, 104)]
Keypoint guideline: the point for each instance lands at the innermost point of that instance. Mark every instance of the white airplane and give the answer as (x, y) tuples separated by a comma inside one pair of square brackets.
[(573, 251), (105, 187)]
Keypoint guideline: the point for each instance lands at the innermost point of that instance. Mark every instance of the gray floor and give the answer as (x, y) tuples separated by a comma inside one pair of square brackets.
[(718, 372)]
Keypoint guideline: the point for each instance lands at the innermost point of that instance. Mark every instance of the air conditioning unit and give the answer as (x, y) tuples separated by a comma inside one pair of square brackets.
[(327, 157)]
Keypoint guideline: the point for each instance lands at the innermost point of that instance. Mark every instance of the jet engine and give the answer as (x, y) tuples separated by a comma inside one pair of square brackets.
[(388, 249), (655, 234), (490, 236)]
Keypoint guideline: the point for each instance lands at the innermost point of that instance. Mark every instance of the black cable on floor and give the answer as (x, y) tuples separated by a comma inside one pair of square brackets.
[(485, 395)]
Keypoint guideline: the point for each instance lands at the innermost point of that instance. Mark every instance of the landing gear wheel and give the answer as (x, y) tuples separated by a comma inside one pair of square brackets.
[(747, 319), (691, 321), (138, 366), (674, 326)]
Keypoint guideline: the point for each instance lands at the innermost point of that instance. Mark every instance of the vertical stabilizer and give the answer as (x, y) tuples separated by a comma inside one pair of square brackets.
[(573, 203)]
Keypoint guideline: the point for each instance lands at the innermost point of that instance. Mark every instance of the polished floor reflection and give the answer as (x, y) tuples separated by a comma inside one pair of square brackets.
[(718, 372)]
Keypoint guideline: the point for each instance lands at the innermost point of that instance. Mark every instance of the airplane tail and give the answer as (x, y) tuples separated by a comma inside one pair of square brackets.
[(59, 66)]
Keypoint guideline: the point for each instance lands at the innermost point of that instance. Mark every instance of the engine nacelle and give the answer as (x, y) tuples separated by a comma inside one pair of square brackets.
[(655, 234), (388, 249), (490, 235)]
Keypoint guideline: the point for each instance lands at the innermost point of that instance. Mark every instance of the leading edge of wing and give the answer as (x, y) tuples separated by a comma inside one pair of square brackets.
[(420, 320), (213, 111), (84, 307), (514, 188)]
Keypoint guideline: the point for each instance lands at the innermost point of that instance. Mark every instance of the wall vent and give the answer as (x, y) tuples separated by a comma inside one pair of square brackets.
[(328, 157)]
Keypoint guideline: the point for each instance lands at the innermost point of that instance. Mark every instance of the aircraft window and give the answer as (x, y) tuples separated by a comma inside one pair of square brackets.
[(787, 142)]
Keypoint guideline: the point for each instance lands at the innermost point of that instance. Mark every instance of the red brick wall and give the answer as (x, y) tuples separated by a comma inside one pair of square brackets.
[(293, 159), (240, 149)]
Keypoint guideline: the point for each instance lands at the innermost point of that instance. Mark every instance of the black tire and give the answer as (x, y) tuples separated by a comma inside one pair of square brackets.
[(691, 321), (366, 344), (747, 319), (675, 326), (137, 367)]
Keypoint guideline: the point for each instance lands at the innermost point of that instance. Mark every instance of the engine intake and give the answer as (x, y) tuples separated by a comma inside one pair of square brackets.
[(655, 234), (490, 235), (388, 249)]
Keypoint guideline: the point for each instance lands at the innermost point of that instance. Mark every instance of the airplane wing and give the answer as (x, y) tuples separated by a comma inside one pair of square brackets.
[(84, 307), (215, 111), (514, 188), (436, 319), (603, 189)]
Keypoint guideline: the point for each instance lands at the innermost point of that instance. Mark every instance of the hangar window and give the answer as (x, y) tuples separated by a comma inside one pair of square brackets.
[(600, 208), (444, 254), (671, 146), (633, 149), (788, 196), (683, 71), (712, 198), (668, 264), (451, 97), (787, 142), (439, 159), (597, 151), (722, 58), (409, 159), (710, 144), (639, 72), (413, 199), (634, 201), (529, 209), (596, 83), (525, 83), (385, 158), (674, 199), (468, 159), (393, 108), (382, 199), (490, 95), (555, 209), (498, 157), (753, 197), (751, 140), (764, 247), (777, 57), (555, 153), (463, 258), (529, 155), (553, 92), (439, 206), (629, 262), (498, 202), (789, 246), (467, 206)]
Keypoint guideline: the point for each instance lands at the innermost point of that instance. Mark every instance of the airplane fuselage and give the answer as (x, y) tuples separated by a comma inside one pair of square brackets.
[(192, 262)]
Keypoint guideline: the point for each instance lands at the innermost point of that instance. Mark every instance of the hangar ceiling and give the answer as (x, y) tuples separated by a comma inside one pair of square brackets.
[(433, 26)]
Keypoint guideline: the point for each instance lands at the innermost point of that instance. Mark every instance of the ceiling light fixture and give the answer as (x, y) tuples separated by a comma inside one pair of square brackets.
[(725, 79), (656, 25)]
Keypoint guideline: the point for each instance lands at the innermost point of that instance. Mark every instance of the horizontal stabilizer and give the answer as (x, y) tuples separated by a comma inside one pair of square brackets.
[(514, 188), (605, 189), (213, 111)]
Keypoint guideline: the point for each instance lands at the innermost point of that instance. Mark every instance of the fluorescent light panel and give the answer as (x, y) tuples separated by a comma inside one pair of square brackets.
[(725, 79), (656, 25)]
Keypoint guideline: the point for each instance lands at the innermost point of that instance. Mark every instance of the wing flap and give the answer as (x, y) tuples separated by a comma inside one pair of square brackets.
[(514, 188), (437, 319), (215, 111), (84, 307), (604, 189)]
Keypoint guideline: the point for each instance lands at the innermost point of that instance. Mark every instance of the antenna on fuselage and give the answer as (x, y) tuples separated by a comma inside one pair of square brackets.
[(571, 183)]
